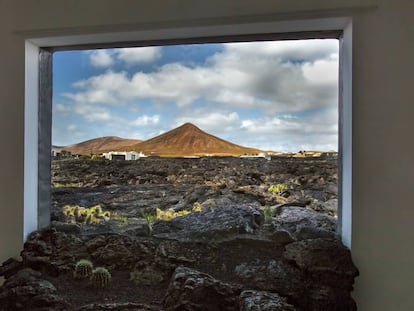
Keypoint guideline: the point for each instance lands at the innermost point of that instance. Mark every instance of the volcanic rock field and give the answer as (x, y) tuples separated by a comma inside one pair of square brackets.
[(187, 234)]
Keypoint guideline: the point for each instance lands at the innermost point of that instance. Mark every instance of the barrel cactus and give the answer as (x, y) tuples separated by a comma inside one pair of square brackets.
[(101, 277), (83, 269)]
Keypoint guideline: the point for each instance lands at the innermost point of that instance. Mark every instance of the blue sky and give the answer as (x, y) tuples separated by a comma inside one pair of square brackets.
[(280, 96)]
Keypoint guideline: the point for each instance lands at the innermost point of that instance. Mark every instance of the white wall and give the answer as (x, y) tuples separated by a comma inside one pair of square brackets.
[(383, 47), (383, 119)]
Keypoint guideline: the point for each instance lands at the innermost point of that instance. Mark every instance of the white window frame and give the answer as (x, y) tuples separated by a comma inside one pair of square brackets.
[(38, 98)]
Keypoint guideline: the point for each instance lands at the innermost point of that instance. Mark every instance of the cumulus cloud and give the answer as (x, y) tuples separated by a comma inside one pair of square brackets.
[(285, 82), (282, 132), (271, 76), (284, 51), (139, 55), (92, 113), (61, 107), (146, 120), (105, 88), (212, 122), (318, 131), (101, 58)]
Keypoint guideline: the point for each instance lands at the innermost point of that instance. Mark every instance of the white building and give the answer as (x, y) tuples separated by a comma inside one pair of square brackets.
[(123, 155), (260, 155)]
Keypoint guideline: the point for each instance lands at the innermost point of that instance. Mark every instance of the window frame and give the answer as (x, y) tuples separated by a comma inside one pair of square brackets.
[(38, 95)]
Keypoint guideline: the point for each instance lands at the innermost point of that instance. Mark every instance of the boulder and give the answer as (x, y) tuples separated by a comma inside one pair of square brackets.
[(251, 300), (323, 256), (191, 290), (218, 224), (329, 271), (272, 275), (26, 290), (304, 223)]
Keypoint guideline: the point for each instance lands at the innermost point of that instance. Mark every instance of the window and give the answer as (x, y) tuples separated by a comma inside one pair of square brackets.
[(320, 29), (277, 100)]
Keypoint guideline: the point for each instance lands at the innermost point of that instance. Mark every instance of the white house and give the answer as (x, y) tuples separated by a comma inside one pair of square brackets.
[(260, 155), (123, 155)]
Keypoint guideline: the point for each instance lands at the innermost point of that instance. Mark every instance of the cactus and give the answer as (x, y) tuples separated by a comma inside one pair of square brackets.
[(277, 189), (83, 269), (101, 277)]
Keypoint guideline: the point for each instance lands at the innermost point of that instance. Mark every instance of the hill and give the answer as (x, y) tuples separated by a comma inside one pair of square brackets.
[(99, 145), (189, 140)]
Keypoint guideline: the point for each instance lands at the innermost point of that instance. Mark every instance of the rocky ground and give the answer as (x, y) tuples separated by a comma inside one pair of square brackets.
[(243, 248), (132, 188)]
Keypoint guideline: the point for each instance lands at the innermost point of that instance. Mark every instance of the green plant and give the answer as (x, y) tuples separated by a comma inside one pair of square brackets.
[(83, 269), (85, 215), (67, 185), (122, 219), (268, 213), (101, 277), (277, 189), (196, 207), (150, 218)]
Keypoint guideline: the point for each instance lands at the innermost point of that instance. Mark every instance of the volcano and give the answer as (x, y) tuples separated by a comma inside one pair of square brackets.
[(189, 140), (99, 145)]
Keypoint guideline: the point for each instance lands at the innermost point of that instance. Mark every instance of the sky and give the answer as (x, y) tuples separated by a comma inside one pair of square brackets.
[(273, 95)]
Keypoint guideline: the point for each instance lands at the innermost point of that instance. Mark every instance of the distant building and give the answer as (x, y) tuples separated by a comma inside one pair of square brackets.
[(260, 155), (330, 155), (60, 154), (307, 154), (123, 155)]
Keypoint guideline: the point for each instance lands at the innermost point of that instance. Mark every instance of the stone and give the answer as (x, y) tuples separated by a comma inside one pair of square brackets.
[(71, 228), (218, 224), (128, 306), (273, 275), (303, 223), (26, 290), (320, 256), (193, 290), (329, 270), (114, 254), (251, 300), (147, 275), (10, 267), (330, 206)]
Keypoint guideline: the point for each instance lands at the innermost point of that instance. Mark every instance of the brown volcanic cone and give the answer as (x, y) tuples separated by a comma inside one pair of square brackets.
[(189, 140), (100, 145)]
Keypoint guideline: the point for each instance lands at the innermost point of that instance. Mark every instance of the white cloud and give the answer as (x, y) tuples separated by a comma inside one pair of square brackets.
[(284, 51), (280, 80), (146, 120), (105, 88), (73, 131), (212, 122), (271, 76), (323, 72), (61, 107), (284, 132), (101, 58), (292, 133), (93, 113), (139, 55), (72, 127)]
